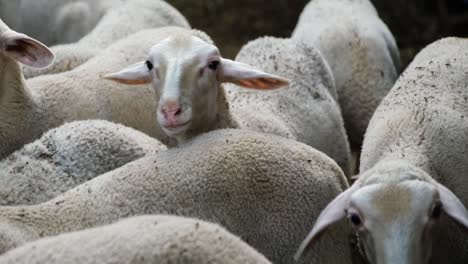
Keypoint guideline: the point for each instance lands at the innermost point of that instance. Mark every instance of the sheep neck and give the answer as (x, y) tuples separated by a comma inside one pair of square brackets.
[(413, 158), (11, 80), (223, 119), (18, 114)]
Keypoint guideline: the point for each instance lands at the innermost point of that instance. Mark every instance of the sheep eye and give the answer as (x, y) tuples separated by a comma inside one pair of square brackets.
[(213, 65), (436, 211), (355, 219), (149, 65)]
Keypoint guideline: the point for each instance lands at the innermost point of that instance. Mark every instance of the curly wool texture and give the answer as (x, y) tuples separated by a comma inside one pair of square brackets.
[(423, 121), (67, 156), (118, 23), (361, 51), (306, 110), (140, 240), (48, 101), (265, 189)]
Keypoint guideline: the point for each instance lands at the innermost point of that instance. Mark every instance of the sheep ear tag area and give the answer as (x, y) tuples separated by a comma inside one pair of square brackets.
[(135, 74), (26, 50), (246, 76)]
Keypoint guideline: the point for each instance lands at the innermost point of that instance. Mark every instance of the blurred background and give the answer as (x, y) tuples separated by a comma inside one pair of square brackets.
[(414, 23)]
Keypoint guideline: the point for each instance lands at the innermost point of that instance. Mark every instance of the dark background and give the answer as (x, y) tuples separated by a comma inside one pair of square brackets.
[(414, 23)]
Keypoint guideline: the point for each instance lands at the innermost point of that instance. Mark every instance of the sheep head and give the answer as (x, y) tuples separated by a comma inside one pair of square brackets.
[(394, 210), (186, 72)]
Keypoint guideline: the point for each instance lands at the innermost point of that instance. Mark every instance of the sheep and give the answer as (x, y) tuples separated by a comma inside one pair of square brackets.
[(307, 110), (416, 144), (39, 104), (361, 52), (187, 73), (67, 156), (142, 239), (118, 23), (61, 21), (261, 187)]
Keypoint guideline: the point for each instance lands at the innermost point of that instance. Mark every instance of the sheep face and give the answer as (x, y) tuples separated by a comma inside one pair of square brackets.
[(186, 73), (185, 78), (394, 221), (394, 215)]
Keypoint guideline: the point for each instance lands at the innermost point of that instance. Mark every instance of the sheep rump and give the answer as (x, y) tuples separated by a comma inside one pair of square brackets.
[(306, 110), (67, 156), (361, 51), (144, 239)]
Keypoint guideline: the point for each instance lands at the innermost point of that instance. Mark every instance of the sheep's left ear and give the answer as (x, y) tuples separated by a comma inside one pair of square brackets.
[(25, 49), (249, 77), (137, 73), (452, 206), (334, 212)]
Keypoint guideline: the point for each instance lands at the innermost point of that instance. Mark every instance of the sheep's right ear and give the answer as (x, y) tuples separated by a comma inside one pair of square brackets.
[(137, 73), (25, 49), (334, 212)]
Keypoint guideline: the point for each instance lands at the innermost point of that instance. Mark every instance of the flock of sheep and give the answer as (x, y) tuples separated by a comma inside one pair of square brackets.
[(137, 142)]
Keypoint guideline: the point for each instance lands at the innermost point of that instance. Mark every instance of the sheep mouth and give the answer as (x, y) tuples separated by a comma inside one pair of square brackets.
[(172, 126), (174, 129)]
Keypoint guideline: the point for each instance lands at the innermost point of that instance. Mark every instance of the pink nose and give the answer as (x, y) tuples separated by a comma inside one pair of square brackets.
[(171, 110)]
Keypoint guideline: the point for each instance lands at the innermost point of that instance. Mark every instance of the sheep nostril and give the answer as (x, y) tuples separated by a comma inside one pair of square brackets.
[(164, 112), (171, 111)]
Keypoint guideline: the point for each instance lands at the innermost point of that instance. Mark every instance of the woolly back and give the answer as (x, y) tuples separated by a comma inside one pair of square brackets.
[(302, 64)]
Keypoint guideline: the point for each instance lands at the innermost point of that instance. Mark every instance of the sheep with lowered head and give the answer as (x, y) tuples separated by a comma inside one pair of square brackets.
[(67, 156), (144, 239), (118, 22), (261, 187), (413, 186), (39, 104), (361, 52), (187, 73)]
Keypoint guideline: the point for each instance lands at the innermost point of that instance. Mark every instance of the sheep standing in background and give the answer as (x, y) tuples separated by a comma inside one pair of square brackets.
[(306, 110), (37, 105), (67, 156), (54, 21), (119, 22), (417, 140), (261, 187), (144, 239), (361, 52), (187, 73)]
